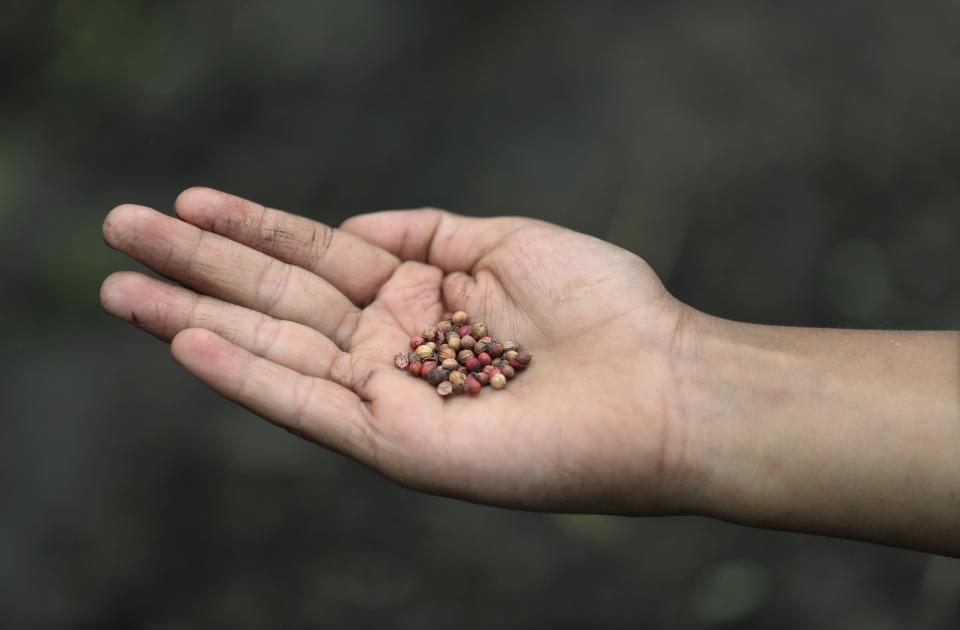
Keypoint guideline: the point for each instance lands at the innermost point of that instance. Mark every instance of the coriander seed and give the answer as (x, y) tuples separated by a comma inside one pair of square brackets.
[(459, 318), (436, 376), (498, 381), (473, 386), (445, 388), (424, 351), (457, 378), (402, 361)]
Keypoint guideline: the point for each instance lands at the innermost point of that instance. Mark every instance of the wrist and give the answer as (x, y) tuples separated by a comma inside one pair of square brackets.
[(838, 432)]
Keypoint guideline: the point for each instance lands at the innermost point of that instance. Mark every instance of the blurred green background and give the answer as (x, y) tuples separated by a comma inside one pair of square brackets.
[(794, 163)]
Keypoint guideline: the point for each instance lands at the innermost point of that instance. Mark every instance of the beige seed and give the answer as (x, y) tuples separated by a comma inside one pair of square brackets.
[(498, 381)]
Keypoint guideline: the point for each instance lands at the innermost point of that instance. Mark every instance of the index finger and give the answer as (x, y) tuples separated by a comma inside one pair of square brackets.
[(354, 266)]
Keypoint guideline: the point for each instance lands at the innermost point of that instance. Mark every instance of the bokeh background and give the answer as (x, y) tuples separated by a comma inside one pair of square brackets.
[(794, 163)]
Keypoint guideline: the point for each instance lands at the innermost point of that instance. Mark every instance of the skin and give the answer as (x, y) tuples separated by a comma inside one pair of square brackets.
[(634, 403)]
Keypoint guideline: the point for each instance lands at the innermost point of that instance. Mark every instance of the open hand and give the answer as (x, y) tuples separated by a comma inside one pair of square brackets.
[(299, 322)]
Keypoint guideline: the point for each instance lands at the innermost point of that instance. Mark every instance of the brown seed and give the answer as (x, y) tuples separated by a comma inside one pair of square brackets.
[(441, 337), (498, 381), (459, 318), (445, 388), (524, 358), (479, 330), (402, 361), (445, 326), (453, 341), (508, 371), (481, 346), (482, 378), (450, 364), (414, 368), (447, 353), (510, 354), (436, 376), (430, 334), (463, 355), (424, 351), (510, 345), (467, 342), (495, 349), (457, 377)]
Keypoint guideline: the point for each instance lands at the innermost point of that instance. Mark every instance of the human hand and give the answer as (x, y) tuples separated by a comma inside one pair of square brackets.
[(299, 323)]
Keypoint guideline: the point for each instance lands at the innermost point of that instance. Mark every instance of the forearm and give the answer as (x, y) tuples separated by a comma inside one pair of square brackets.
[(837, 432)]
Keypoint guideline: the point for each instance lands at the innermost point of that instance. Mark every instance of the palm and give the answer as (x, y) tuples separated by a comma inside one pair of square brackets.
[(563, 435)]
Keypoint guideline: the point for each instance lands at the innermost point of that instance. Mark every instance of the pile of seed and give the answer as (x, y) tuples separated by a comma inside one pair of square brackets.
[(458, 357)]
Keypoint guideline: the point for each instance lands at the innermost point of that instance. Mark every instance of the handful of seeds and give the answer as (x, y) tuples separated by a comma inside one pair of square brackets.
[(458, 357)]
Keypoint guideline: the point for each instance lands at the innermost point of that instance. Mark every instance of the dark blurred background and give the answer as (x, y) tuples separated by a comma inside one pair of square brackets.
[(794, 163)]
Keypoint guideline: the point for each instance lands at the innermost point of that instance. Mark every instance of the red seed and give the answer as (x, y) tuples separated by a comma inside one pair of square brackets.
[(472, 364), (415, 342), (464, 330), (414, 368), (488, 368), (425, 369), (473, 386), (495, 349), (482, 377), (494, 372), (515, 364), (524, 358), (484, 358)]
